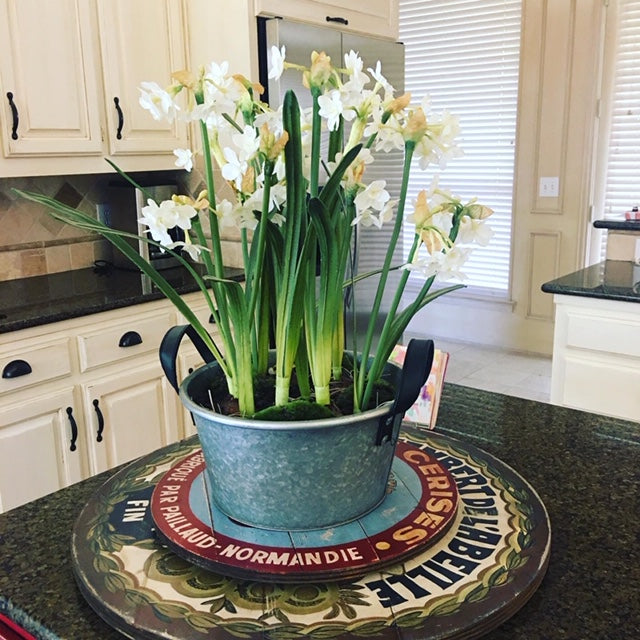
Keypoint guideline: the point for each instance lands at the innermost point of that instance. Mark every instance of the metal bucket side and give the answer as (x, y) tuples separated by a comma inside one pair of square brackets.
[(291, 475)]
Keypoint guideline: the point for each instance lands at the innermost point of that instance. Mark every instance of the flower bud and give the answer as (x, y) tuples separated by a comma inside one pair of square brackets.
[(416, 126), (432, 240), (422, 212), (320, 71), (253, 87), (398, 104), (185, 78), (479, 211), (248, 183), (269, 146)]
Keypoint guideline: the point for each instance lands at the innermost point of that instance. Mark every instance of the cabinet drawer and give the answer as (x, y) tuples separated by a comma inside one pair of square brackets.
[(620, 336), (33, 365), (606, 385), (123, 340)]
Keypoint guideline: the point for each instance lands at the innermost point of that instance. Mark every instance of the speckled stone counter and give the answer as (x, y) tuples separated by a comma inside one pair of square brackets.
[(583, 466), (609, 280), (29, 302)]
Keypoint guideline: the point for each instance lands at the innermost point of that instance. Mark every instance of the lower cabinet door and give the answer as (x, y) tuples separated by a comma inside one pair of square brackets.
[(40, 448), (128, 415)]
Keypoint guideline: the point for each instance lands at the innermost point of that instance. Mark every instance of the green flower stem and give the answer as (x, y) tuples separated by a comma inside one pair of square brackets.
[(257, 267), (316, 128), (283, 384), (363, 393), (215, 267), (218, 269)]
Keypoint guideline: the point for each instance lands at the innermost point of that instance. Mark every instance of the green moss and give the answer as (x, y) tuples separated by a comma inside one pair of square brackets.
[(296, 410)]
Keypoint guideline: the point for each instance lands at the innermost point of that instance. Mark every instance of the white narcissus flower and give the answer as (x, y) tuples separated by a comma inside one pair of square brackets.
[(374, 196), (373, 199), (277, 62), (234, 168), (247, 142), (353, 64), (331, 108), (184, 159), (273, 120), (193, 250), (221, 91), (444, 265), (157, 101), (168, 215), (378, 77), (225, 214), (438, 145), (474, 231)]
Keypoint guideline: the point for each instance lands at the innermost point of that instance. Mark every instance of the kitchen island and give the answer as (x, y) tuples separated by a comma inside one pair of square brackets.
[(596, 342), (582, 465)]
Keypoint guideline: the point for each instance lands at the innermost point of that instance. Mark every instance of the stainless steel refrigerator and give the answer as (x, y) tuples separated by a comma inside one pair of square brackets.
[(300, 40)]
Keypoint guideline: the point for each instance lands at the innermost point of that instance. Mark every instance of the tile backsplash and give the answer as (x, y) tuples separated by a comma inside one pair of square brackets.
[(32, 243)]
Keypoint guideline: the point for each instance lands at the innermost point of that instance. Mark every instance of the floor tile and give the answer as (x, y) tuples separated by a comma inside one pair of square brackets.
[(502, 371)]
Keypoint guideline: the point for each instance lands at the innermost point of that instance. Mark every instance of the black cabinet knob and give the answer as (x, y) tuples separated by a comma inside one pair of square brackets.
[(16, 368), (130, 339)]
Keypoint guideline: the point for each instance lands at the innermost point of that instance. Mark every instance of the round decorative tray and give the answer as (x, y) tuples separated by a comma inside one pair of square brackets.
[(463, 582), (420, 505)]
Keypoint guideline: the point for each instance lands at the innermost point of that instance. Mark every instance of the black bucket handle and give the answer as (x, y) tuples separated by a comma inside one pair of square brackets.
[(169, 351), (415, 371)]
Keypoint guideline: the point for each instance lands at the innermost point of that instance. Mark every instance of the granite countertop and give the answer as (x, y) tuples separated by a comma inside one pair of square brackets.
[(609, 280), (583, 466), (29, 302), (618, 225)]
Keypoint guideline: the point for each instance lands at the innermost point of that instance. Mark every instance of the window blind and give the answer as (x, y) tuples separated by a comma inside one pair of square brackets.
[(620, 173), (465, 54)]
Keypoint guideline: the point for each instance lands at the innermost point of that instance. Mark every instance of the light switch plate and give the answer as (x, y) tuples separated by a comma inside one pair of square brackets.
[(549, 187)]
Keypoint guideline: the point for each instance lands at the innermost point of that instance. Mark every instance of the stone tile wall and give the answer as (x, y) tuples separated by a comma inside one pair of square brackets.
[(32, 243)]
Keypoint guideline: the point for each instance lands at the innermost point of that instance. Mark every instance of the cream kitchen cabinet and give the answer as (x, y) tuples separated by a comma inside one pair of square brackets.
[(39, 450), (69, 77), (49, 75), (128, 414), (374, 17), (98, 377), (596, 356), (144, 44)]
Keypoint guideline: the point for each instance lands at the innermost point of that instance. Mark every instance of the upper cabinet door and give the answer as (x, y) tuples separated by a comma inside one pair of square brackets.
[(141, 41), (48, 78)]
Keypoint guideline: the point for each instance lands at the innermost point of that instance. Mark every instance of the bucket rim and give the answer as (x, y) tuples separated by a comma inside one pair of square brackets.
[(273, 425)]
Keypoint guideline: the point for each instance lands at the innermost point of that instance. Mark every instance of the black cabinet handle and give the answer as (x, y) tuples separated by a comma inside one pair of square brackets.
[(130, 339), (16, 368), (116, 101), (338, 19), (100, 421), (14, 115), (74, 429)]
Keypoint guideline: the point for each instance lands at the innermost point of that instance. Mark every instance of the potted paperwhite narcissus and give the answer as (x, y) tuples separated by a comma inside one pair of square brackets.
[(320, 452)]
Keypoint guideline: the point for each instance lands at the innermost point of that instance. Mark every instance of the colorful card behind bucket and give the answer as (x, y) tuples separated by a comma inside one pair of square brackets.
[(424, 412)]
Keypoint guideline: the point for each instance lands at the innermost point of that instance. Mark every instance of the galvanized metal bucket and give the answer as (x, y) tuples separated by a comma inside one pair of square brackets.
[(291, 475), (298, 475)]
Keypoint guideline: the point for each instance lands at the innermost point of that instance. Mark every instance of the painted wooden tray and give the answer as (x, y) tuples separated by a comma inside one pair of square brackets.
[(478, 574), (420, 505)]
